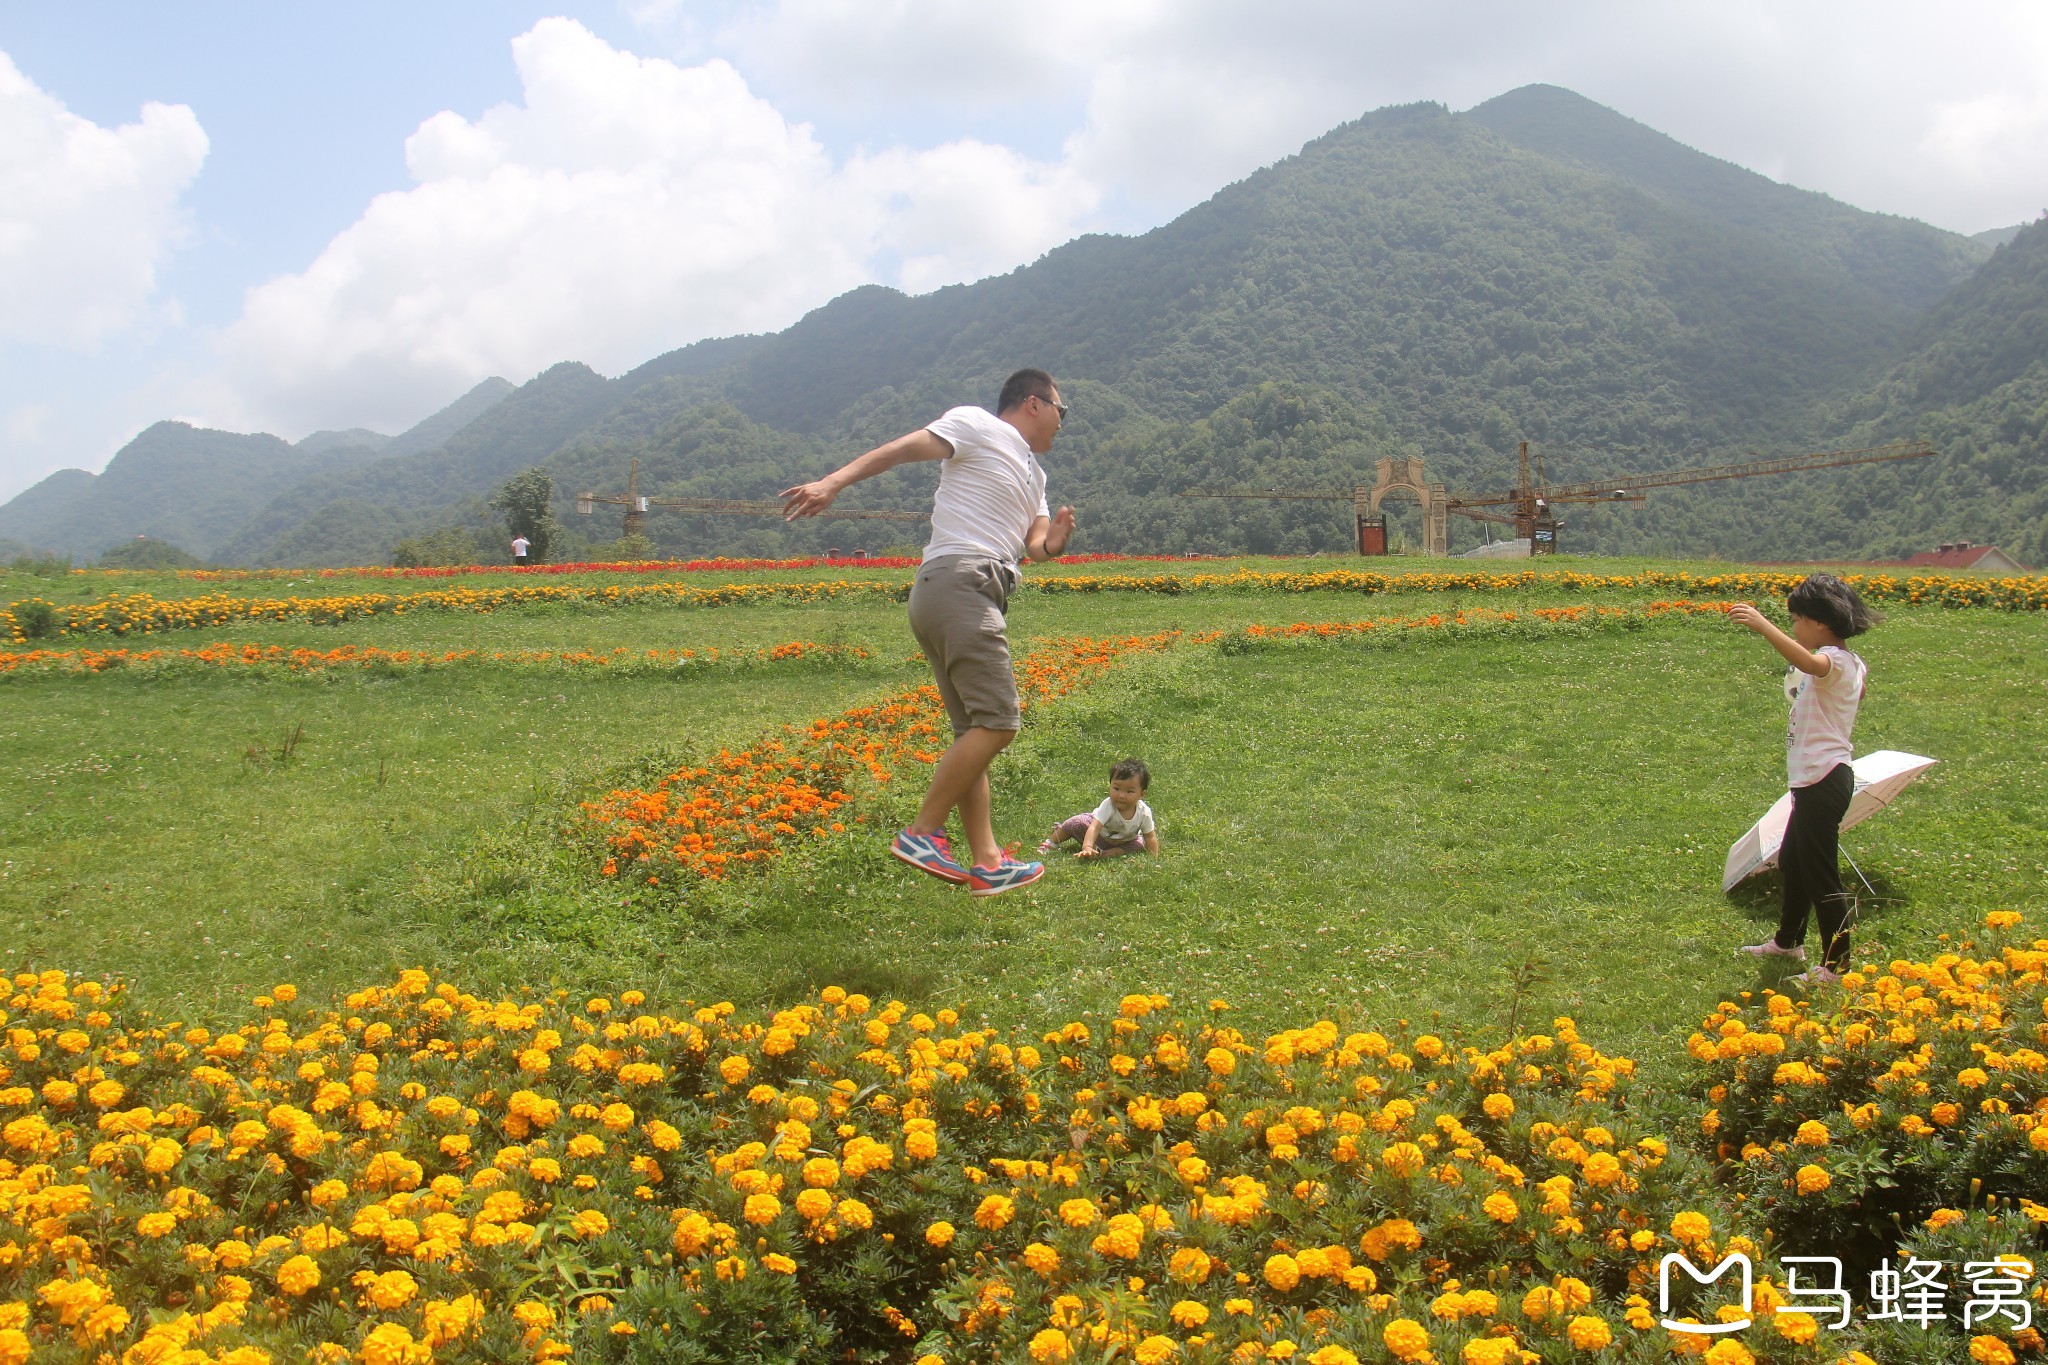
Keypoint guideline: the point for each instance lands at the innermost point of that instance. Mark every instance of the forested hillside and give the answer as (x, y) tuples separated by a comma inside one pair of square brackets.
[(1415, 282)]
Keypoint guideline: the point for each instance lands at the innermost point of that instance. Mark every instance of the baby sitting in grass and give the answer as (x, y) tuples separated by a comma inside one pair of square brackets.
[(1122, 824)]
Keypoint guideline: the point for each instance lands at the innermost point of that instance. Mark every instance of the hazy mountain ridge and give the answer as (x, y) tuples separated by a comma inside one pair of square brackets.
[(1416, 281)]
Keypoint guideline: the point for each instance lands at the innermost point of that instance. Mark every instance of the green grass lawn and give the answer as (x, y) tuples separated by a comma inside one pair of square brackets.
[(1349, 832)]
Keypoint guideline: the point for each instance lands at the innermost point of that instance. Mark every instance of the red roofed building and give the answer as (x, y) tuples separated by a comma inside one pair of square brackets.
[(1963, 555)]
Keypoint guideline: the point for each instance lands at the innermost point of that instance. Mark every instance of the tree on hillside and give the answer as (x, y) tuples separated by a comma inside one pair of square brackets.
[(527, 500), (145, 552)]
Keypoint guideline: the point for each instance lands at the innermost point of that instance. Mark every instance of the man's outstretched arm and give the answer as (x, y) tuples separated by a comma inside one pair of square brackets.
[(1048, 536), (809, 499)]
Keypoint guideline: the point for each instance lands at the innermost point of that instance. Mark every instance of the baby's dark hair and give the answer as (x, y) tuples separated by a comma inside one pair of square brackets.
[(1129, 768), (1827, 599)]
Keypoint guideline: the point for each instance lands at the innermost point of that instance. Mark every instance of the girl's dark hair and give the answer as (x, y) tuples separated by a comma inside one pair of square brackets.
[(1827, 599), (1130, 768)]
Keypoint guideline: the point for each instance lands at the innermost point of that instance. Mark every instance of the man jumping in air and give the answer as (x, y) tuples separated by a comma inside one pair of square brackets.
[(989, 512)]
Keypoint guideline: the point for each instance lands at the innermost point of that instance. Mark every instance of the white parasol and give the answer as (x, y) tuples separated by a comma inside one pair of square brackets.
[(1879, 778)]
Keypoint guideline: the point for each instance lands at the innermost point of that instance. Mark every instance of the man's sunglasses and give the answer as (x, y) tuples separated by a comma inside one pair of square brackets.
[(1059, 408)]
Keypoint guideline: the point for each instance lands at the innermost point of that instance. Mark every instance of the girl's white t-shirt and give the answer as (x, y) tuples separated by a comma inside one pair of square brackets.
[(1823, 717), (1119, 830), (991, 488)]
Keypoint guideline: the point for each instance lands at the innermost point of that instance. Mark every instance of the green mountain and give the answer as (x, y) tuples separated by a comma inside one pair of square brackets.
[(1415, 282), (203, 489)]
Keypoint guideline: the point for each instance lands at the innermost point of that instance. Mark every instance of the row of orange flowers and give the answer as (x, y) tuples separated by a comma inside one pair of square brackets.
[(253, 657), (750, 806), (143, 613)]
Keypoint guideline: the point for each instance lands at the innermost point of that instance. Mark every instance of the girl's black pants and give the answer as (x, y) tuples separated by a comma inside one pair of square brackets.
[(1811, 862)]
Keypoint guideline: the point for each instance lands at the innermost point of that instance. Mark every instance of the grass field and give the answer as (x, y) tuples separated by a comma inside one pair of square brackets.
[(1350, 832)]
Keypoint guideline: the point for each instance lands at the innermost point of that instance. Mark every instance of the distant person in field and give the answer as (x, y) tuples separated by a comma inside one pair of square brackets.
[(1122, 824), (520, 545), (1825, 684), (989, 513)]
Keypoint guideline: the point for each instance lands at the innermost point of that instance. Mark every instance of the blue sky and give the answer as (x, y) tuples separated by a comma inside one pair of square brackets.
[(289, 217)]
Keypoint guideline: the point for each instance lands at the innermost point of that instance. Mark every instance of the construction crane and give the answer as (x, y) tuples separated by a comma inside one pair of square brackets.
[(637, 506), (1531, 509)]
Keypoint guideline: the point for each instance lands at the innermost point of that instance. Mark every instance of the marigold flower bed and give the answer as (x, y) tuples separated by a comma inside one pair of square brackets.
[(424, 1174), (144, 613), (279, 658)]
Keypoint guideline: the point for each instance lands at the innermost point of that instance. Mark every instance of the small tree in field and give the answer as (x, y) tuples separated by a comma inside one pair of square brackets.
[(527, 500)]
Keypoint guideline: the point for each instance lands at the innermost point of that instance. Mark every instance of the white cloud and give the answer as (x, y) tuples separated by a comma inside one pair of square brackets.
[(627, 206), (87, 214), (1939, 112)]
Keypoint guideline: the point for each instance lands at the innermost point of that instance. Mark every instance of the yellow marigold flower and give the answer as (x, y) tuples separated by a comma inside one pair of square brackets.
[(814, 1205), (1155, 1350), (1990, 1351), (545, 1169), (665, 1137), (1812, 1133), (778, 1263), (1332, 1355), (1188, 1314), (1051, 1345), (1403, 1158), (1042, 1259), (392, 1289), (1501, 1208), (1078, 1213), (939, 1234), (1283, 1272), (390, 1343), (1491, 1351), (734, 1069), (1498, 1106), (1406, 1338), (155, 1224), (1602, 1169), (1727, 1352), (1813, 1179), (855, 1214), (298, 1276), (1588, 1333), (590, 1223), (1689, 1227), (1190, 1265), (995, 1212), (1221, 1061), (761, 1208)]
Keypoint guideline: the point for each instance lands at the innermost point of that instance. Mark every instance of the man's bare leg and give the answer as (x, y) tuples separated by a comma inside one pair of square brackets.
[(961, 779)]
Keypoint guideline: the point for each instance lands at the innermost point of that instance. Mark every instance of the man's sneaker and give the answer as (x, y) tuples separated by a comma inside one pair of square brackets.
[(1769, 948), (929, 853), (994, 881), (1817, 976)]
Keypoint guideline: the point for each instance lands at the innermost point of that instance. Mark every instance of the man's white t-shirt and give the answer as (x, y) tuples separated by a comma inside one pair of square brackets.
[(519, 544), (1118, 830), (991, 488), (1823, 716)]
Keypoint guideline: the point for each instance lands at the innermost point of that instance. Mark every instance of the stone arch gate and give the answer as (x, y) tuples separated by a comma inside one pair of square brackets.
[(1405, 475)]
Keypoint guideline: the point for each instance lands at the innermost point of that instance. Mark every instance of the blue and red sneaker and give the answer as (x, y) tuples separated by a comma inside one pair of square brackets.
[(929, 853), (1011, 874)]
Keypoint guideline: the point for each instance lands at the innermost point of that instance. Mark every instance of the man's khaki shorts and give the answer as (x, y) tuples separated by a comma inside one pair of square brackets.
[(956, 612)]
